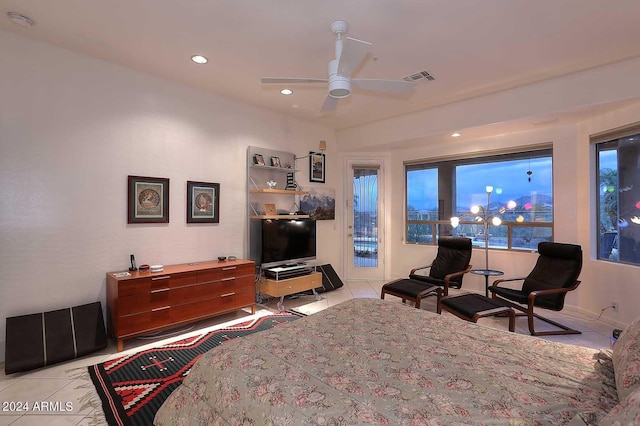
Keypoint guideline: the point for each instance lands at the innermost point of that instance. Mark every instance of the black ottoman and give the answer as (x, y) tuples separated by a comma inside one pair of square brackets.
[(408, 289), (471, 307)]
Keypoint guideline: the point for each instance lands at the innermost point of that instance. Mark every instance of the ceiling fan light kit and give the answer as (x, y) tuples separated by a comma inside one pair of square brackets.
[(350, 53)]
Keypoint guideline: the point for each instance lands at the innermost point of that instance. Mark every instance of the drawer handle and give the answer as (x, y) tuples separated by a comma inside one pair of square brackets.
[(166, 277), (227, 294), (160, 309), (160, 290), (230, 268), (228, 279)]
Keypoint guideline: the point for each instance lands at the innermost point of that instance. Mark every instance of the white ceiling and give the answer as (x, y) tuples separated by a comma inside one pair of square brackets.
[(471, 47)]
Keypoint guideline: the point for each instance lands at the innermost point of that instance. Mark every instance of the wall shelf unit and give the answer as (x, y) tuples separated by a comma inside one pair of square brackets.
[(279, 216), (277, 191), (268, 165)]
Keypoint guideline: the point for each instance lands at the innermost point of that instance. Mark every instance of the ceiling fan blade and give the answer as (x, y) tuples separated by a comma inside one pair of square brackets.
[(279, 80), (390, 86), (329, 104), (353, 52)]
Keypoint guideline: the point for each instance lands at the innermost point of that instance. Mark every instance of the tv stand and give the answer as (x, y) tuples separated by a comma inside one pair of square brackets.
[(288, 270), (283, 281)]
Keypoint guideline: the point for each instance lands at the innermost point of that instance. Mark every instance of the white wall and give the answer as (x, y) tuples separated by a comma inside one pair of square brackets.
[(72, 128)]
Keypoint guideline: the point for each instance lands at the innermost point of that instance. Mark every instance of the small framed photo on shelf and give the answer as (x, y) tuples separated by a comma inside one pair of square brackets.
[(258, 159), (147, 200), (270, 209), (275, 161), (317, 167), (203, 202)]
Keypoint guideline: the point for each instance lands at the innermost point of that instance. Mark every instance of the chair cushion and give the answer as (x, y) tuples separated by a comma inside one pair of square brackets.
[(517, 296), (454, 255), (427, 279), (558, 266), (626, 360), (410, 288)]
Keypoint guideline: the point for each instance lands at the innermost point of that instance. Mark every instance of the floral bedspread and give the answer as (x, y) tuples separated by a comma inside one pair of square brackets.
[(370, 361)]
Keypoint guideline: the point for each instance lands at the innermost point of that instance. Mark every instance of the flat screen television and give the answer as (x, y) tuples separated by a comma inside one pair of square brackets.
[(277, 242)]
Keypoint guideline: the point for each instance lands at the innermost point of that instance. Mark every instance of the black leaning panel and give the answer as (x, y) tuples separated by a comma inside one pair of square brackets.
[(89, 327), (27, 336), (24, 343), (330, 279), (58, 333)]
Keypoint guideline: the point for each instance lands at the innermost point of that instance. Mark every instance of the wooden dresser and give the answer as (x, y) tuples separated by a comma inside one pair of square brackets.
[(145, 302)]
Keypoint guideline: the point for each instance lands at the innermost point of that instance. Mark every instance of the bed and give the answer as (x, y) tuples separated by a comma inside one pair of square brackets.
[(370, 361)]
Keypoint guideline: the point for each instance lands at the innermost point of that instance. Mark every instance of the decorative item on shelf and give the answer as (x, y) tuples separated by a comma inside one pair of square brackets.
[(483, 214), (144, 268), (270, 209), (287, 165), (258, 159), (291, 183), (295, 210), (272, 184), (275, 161), (317, 161)]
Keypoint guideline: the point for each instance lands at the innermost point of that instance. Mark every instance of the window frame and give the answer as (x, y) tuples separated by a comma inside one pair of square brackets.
[(442, 226), (609, 140)]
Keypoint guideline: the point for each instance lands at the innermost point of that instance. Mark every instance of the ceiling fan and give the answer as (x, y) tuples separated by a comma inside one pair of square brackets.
[(349, 53)]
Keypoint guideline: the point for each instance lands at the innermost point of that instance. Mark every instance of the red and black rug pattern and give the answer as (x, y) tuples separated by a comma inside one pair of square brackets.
[(132, 388)]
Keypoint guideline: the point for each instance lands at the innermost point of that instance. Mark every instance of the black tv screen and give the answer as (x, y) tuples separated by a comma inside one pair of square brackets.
[(287, 241)]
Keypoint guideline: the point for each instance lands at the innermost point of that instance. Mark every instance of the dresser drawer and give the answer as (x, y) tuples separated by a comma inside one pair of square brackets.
[(204, 308), (155, 282), (147, 321), (225, 272), (143, 302)]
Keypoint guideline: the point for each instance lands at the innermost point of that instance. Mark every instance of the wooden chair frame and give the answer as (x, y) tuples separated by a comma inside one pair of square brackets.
[(528, 310)]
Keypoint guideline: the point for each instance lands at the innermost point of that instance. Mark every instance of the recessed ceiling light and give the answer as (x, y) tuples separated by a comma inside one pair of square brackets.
[(286, 92), (199, 59), (20, 19), (456, 135)]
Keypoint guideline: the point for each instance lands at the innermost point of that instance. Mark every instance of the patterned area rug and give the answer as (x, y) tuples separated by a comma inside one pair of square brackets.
[(132, 388)]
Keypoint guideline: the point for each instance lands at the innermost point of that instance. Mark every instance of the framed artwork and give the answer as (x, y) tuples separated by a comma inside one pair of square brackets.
[(275, 161), (148, 200), (203, 202), (258, 159), (319, 203), (316, 167)]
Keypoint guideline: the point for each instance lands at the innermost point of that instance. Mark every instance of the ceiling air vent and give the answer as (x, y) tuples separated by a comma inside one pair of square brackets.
[(422, 75)]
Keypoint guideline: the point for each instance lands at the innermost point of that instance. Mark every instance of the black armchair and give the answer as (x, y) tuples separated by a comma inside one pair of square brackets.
[(554, 275), (446, 270)]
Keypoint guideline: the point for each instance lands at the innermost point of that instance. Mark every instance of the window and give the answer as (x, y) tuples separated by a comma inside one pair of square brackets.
[(618, 194), (521, 196)]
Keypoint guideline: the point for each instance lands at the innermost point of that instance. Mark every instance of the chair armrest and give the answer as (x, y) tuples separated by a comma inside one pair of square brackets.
[(456, 274), (534, 294), (445, 289), (413, 271), (506, 280)]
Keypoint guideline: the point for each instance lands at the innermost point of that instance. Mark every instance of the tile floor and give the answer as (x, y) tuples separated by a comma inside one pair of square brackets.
[(60, 383)]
